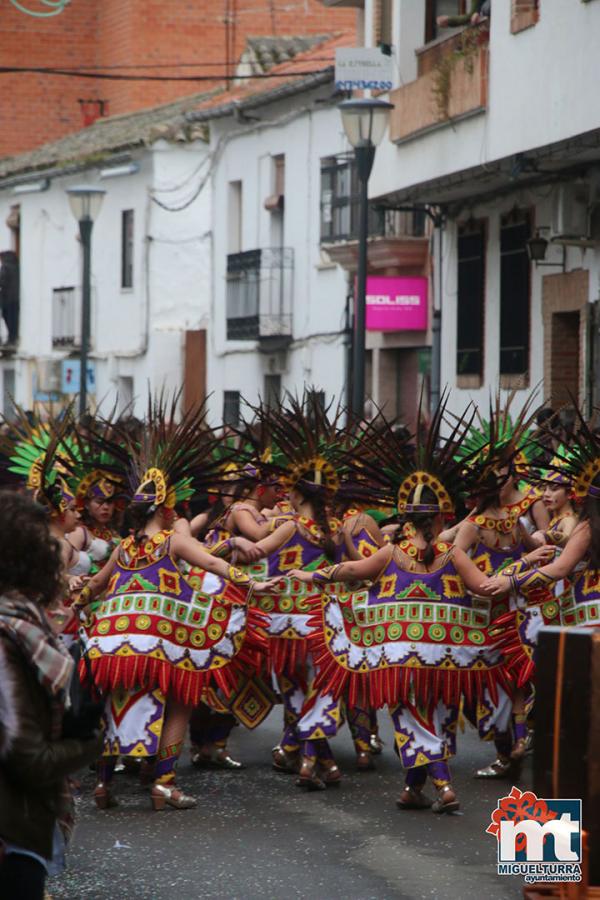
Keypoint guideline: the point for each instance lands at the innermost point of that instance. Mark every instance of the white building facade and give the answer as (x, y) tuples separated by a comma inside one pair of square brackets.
[(496, 129), (151, 264), (279, 304)]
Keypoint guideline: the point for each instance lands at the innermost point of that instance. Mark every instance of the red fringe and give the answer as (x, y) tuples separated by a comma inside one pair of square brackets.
[(287, 654), (505, 632), (130, 672), (388, 686)]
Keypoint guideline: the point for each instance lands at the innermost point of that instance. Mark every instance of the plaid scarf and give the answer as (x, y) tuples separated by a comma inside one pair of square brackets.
[(24, 623)]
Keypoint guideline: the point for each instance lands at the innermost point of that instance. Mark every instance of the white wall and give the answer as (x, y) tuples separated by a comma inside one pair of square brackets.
[(319, 290), (542, 86), (137, 332), (540, 202)]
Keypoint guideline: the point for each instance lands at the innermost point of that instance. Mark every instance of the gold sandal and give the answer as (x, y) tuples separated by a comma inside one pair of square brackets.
[(162, 796)]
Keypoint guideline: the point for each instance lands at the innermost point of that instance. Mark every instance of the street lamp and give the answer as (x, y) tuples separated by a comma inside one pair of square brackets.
[(85, 201), (364, 122)]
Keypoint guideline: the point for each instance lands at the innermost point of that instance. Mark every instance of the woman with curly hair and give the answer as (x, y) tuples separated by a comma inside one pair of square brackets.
[(35, 672)]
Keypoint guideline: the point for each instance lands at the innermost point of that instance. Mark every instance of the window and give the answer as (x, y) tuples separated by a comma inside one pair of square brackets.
[(523, 14), (234, 217), (437, 8), (275, 202), (125, 395), (231, 408), (66, 319), (339, 199), (471, 299), (383, 25), (340, 203), (272, 390), (515, 231), (127, 248)]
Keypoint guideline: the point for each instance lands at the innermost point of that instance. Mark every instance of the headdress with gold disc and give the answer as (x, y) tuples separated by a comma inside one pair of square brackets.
[(173, 459), (298, 444), (400, 468), (42, 456), (577, 466)]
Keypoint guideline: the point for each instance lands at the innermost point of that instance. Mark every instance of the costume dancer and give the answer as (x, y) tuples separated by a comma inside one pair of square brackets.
[(307, 444), (413, 638), (156, 642), (496, 535), (41, 456), (580, 558)]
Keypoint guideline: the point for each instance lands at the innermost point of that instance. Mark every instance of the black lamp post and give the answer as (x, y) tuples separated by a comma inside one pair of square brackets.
[(85, 201), (364, 121)]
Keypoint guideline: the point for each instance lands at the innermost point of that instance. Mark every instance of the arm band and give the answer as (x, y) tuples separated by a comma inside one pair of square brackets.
[(236, 576), (84, 597), (326, 575), (530, 580), (222, 549)]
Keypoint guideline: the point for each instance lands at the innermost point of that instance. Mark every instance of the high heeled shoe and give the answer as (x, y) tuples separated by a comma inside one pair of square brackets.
[(308, 777), (330, 771), (364, 761), (104, 797), (161, 795), (500, 769), (376, 744), (286, 761), (446, 801)]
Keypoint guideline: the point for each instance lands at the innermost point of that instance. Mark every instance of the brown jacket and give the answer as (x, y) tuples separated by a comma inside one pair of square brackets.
[(32, 767)]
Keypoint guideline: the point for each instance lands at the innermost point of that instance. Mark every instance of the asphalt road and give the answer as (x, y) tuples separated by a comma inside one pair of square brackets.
[(255, 836)]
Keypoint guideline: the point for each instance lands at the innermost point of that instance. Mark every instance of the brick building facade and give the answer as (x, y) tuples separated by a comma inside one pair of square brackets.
[(39, 107)]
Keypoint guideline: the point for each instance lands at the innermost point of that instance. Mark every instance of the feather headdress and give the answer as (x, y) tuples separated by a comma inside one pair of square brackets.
[(579, 464), (399, 472), (42, 455), (175, 456), (500, 441), (299, 444)]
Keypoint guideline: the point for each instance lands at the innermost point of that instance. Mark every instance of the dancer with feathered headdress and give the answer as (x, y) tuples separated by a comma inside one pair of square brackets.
[(42, 457), (305, 463), (500, 451), (579, 467), (412, 639), (99, 493), (163, 634)]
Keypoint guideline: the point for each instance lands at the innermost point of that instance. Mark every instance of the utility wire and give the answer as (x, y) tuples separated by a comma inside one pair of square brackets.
[(40, 70), (179, 65)]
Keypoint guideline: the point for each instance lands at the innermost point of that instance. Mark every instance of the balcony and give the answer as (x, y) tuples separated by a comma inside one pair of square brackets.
[(452, 84), (396, 239), (259, 297)]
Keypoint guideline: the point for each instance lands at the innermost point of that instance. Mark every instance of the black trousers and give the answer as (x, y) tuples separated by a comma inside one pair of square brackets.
[(21, 878)]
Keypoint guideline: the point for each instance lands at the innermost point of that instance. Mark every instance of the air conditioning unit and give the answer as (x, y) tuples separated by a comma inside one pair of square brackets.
[(48, 372), (571, 214)]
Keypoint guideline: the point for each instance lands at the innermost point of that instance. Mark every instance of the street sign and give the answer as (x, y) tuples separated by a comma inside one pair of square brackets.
[(362, 69), (70, 377)]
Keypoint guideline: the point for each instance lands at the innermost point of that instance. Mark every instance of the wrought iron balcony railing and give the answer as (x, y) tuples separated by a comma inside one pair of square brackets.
[(259, 295)]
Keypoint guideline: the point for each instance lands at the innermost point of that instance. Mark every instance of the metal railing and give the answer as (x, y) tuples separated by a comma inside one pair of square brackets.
[(259, 293), (340, 208)]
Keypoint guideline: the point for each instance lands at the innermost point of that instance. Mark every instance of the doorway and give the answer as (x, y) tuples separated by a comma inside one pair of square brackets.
[(565, 357)]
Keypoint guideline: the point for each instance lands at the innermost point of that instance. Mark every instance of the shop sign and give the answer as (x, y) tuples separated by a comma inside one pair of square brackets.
[(396, 304)]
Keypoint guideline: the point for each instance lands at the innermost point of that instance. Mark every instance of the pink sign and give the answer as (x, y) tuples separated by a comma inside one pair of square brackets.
[(396, 304)]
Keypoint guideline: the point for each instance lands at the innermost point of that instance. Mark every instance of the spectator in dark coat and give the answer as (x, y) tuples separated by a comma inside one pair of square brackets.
[(35, 671)]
